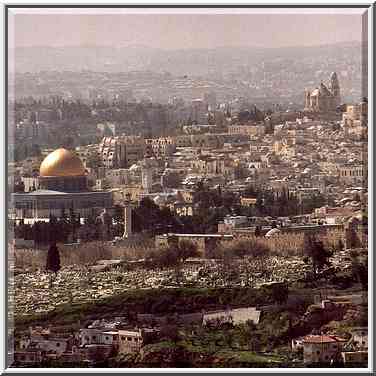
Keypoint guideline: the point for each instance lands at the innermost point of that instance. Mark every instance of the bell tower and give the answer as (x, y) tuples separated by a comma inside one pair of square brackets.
[(335, 89)]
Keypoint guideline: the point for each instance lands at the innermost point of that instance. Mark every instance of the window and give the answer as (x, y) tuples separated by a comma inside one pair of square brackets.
[(122, 338), (57, 344), (129, 338), (94, 337), (107, 338), (318, 352)]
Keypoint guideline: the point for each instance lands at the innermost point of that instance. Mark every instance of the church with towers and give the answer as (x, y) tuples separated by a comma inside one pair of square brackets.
[(324, 98)]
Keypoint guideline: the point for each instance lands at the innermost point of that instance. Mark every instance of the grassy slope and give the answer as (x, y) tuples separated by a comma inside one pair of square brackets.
[(157, 301)]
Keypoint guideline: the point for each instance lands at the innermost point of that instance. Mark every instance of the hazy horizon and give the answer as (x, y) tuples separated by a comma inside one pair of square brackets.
[(183, 31), (188, 48)]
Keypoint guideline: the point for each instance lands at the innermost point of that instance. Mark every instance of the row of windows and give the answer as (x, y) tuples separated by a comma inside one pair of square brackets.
[(352, 173), (130, 339), (93, 338), (23, 346)]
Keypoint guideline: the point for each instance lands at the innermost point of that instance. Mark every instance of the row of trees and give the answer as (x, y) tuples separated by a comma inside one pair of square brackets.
[(68, 228), (316, 254), (215, 204), (147, 218), (268, 203)]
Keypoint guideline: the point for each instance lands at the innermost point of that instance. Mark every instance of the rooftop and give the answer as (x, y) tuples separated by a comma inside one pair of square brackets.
[(322, 339)]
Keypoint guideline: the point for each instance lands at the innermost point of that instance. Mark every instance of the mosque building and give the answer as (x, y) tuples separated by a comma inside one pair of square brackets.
[(62, 185)]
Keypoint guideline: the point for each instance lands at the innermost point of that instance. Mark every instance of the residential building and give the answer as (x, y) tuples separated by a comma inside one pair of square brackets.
[(360, 337), (121, 151), (322, 348), (160, 147), (132, 340), (256, 130)]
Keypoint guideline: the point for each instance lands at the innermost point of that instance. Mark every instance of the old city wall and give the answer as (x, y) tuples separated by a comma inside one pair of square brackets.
[(292, 243)]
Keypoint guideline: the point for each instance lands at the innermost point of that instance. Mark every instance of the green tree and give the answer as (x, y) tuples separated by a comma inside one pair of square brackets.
[(280, 292), (359, 269), (315, 250), (170, 332), (340, 246), (258, 231), (53, 259), (73, 223), (186, 249)]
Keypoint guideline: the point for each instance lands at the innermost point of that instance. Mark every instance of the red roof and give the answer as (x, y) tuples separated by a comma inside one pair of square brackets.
[(322, 339)]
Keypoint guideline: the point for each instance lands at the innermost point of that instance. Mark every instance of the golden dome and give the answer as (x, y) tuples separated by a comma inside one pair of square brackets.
[(62, 162)]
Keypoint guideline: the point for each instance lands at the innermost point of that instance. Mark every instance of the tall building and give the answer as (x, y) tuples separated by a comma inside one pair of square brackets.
[(355, 115), (210, 99), (146, 177), (160, 147), (121, 151), (335, 89), (199, 111), (324, 98)]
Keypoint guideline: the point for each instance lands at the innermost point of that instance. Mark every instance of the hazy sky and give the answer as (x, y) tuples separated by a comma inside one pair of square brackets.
[(172, 31)]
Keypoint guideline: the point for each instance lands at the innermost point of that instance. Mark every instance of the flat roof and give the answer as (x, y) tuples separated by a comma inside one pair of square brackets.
[(46, 192), (199, 235)]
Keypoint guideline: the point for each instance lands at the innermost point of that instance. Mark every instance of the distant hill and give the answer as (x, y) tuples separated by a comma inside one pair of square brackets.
[(183, 61)]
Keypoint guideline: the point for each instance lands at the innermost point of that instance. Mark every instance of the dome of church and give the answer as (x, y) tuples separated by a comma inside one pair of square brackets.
[(62, 163)]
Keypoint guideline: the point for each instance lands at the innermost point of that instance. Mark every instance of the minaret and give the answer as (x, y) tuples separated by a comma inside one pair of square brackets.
[(127, 217), (335, 89)]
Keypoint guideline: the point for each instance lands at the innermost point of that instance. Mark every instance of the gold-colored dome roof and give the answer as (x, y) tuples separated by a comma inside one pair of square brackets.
[(62, 162)]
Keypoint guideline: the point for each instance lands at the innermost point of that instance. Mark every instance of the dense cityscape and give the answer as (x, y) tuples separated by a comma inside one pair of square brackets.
[(196, 208)]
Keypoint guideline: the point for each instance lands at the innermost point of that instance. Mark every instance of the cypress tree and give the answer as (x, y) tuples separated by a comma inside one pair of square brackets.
[(53, 259)]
